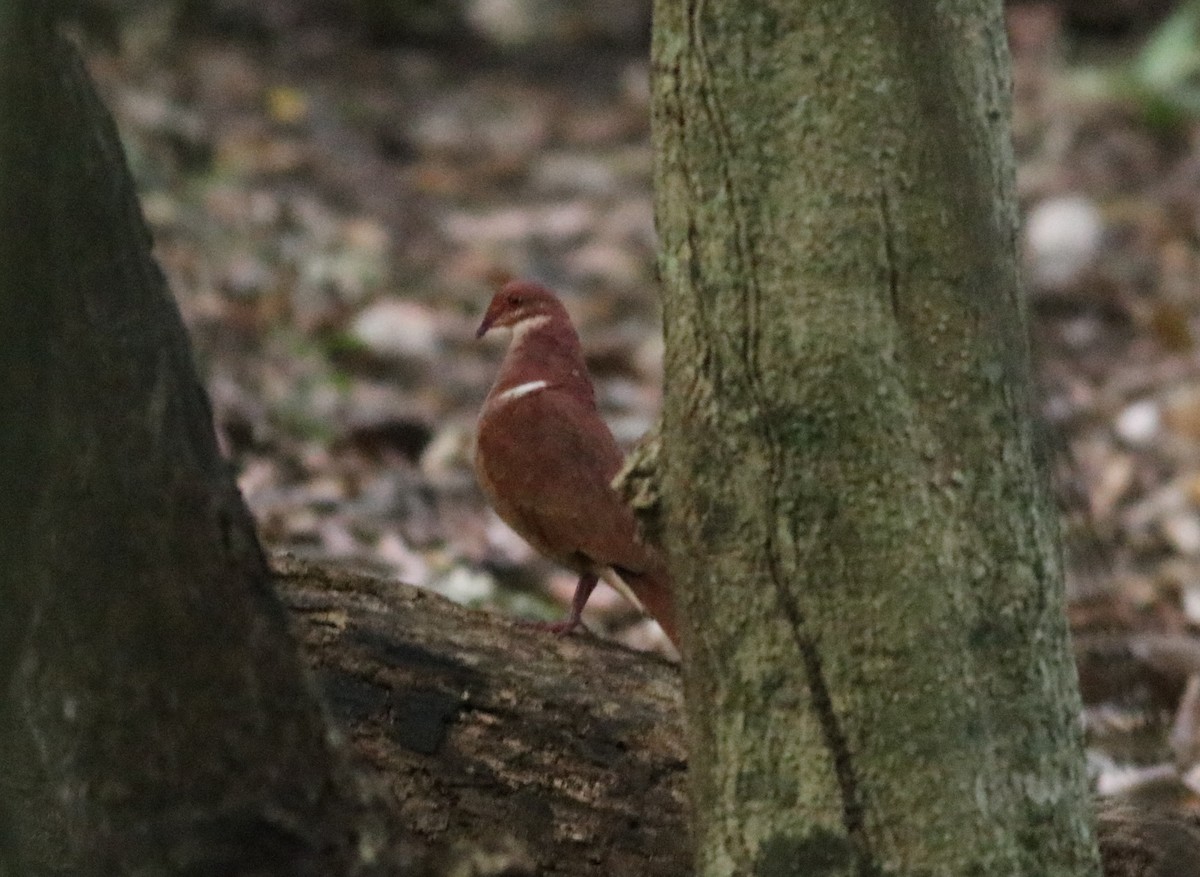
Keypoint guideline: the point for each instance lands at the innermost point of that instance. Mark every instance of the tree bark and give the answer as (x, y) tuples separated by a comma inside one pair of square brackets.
[(155, 717), (876, 664), (564, 753)]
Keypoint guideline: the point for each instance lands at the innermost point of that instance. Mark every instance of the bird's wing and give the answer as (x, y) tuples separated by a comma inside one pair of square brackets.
[(552, 465)]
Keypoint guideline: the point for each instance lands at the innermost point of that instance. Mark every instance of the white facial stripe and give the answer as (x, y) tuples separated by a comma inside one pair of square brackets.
[(522, 390), (519, 329)]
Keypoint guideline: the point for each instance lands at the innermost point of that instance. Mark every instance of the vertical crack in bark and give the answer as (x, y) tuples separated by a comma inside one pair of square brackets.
[(833, 734), (889, 250), (831, 730), (742, 249)]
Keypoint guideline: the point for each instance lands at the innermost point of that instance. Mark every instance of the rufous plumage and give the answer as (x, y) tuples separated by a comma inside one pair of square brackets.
[(546, 459)]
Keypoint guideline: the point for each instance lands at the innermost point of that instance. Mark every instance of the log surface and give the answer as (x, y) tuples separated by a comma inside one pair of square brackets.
[(569, 750)]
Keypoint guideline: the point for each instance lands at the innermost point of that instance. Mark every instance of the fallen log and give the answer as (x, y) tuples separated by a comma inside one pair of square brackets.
[(566, 752)]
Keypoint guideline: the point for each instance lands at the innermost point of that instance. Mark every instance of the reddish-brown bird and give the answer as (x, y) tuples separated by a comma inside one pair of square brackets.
[(546, 459)]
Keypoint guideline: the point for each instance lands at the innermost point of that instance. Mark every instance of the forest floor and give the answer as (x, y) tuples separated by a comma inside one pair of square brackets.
[(332, 213)]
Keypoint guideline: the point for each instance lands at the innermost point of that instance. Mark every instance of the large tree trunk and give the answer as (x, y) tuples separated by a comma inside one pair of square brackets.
[(877, 671), (154, 717)]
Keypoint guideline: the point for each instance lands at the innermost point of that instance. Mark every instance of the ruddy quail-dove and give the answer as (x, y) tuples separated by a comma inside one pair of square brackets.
[(546, 459)]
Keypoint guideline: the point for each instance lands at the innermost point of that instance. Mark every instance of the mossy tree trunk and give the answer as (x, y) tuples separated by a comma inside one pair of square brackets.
[(876, 659)]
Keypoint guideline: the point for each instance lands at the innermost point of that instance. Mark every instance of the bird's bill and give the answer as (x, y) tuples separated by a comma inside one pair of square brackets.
[(489, 319), (496, 312)]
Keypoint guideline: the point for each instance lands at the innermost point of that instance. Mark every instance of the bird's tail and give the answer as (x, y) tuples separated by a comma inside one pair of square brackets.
[(651, 590)]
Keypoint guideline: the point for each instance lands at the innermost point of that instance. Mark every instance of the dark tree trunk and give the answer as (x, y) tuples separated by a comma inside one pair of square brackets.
[(154, 718)]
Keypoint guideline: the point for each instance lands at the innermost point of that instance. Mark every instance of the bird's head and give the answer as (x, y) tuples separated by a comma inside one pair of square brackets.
[(517, 303)]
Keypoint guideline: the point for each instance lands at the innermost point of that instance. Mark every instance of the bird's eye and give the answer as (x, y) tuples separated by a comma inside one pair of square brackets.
[(514, 300)]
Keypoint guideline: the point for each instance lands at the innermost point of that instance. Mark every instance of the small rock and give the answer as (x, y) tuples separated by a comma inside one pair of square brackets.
[(465, 586), (1082, 332), (410, 567), (1062, 238), (246, 276), (397, 329), (336, 539), (1191, 600), (1183, 532), (1139, 423), (573, 172), (505, 22)]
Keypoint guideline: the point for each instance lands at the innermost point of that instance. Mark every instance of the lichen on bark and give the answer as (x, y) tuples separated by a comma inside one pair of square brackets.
[(866, 555)]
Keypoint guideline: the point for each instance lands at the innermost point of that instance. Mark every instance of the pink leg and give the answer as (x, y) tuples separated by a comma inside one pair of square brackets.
[(583, 590)]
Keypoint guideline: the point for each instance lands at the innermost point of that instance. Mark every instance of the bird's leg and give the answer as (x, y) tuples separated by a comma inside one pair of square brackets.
[(583, 590)]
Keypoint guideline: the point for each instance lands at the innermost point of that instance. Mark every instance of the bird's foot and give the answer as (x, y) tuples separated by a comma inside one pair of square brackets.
[(587, 583)]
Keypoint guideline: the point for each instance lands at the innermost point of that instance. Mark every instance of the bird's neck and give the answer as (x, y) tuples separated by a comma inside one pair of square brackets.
[(544, 352)]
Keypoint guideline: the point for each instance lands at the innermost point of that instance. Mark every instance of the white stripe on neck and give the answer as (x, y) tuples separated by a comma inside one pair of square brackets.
[(522, 390), (519, 329)]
